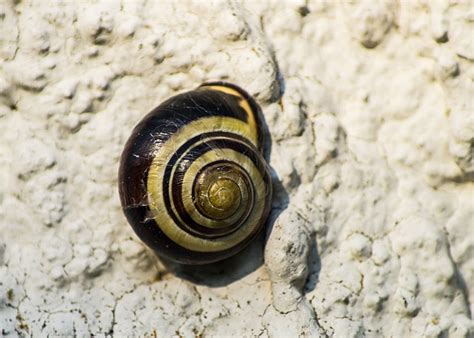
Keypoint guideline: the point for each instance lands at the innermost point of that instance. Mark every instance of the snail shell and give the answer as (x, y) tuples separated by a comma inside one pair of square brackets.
[(192, 180)]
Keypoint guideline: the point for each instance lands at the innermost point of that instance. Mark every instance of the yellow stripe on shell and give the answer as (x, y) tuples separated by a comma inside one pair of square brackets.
[(206, 125), (225, 89), (155, 185), (243, 103)]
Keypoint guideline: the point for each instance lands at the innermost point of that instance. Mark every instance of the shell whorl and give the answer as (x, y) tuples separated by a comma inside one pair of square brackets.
[(193, 182)]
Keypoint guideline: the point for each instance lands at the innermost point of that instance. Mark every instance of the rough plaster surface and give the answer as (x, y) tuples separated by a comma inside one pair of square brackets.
[(370, 110)]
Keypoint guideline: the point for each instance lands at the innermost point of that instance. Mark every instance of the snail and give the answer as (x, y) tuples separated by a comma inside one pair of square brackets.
[(193, 182)]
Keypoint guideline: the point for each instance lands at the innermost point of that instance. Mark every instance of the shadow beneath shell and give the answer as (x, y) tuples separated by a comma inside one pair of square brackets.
[(314, 266), (224, 272)]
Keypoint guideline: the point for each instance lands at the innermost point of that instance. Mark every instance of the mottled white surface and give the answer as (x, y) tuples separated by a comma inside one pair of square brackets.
[(370, 107)]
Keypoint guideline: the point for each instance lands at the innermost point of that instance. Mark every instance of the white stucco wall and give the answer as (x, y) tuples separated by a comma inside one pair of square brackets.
[(370, 107)]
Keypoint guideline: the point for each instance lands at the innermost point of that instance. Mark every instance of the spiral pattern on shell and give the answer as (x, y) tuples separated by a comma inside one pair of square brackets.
[(193, 182)]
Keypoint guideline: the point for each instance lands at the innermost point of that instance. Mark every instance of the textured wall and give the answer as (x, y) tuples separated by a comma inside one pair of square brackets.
[(371, 114)]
